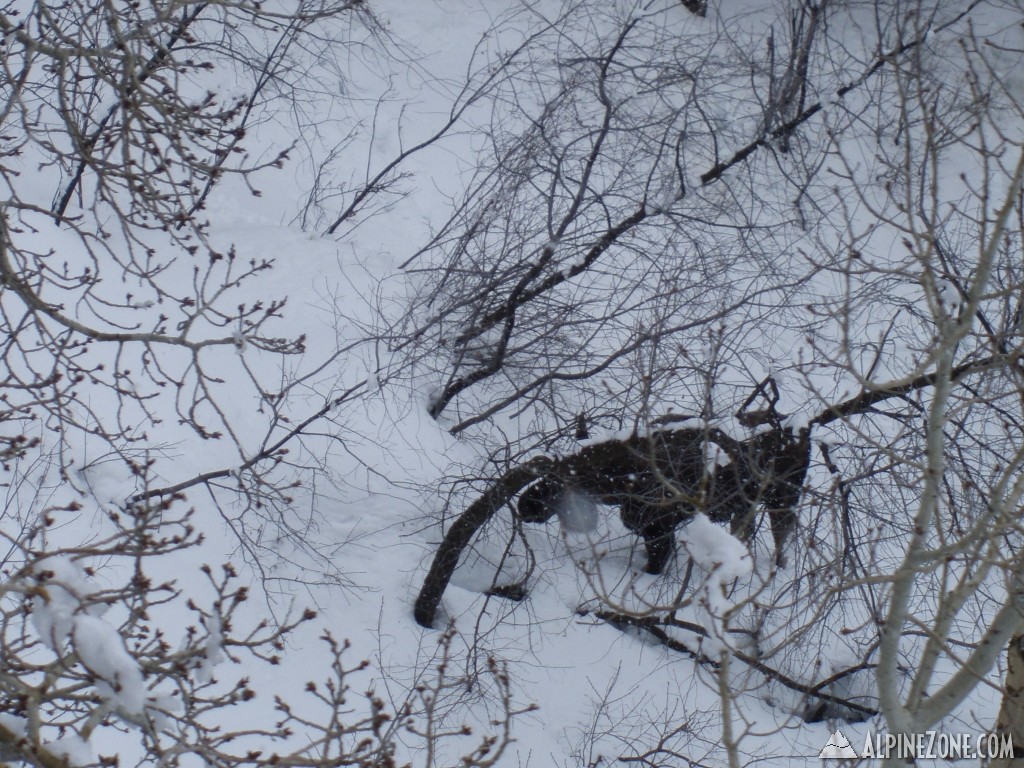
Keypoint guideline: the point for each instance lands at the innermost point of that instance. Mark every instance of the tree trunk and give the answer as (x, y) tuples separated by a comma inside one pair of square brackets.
[(1011, 714)]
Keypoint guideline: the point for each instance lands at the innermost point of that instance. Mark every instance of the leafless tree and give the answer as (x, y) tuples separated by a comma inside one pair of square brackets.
[(123, 327), (93, 671), (662, 224), (119, 312)]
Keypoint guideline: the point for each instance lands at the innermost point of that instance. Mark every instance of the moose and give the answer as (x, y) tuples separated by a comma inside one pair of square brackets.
[(659, 480), (662, 480)]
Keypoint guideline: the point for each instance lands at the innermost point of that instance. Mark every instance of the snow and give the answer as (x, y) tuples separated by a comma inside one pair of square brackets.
[(63, 586), (214, 653), (604, 435), (16, 725), (74, 749), (948, 296), (797, 421), (721, 556), (101, 650), (715, 456), (386, 473)]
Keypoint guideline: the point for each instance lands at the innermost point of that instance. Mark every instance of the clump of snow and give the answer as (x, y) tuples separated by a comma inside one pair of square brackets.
[(101, 650), (715, 457), (159, 705), (16, 725), (62, 587), (949, 297), (73, 749), (721, 555), (214, 651), (713, 548), (598, 436), (58, 612)]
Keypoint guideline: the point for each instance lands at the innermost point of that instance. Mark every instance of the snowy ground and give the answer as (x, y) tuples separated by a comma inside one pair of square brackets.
[(600, 691)]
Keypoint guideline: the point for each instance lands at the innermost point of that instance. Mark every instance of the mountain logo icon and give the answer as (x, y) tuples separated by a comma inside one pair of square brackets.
[(838, 747)]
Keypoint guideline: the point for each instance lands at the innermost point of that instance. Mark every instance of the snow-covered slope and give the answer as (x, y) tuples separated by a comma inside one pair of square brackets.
[(331, 486)]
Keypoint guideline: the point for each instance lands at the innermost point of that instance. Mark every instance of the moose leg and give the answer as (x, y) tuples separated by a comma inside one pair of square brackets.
[(660, 544), (783, 521), (657, 525), (743, 524)]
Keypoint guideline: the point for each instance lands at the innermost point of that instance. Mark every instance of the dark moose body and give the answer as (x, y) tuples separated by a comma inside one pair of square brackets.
[(658, 480), (662, 480)]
